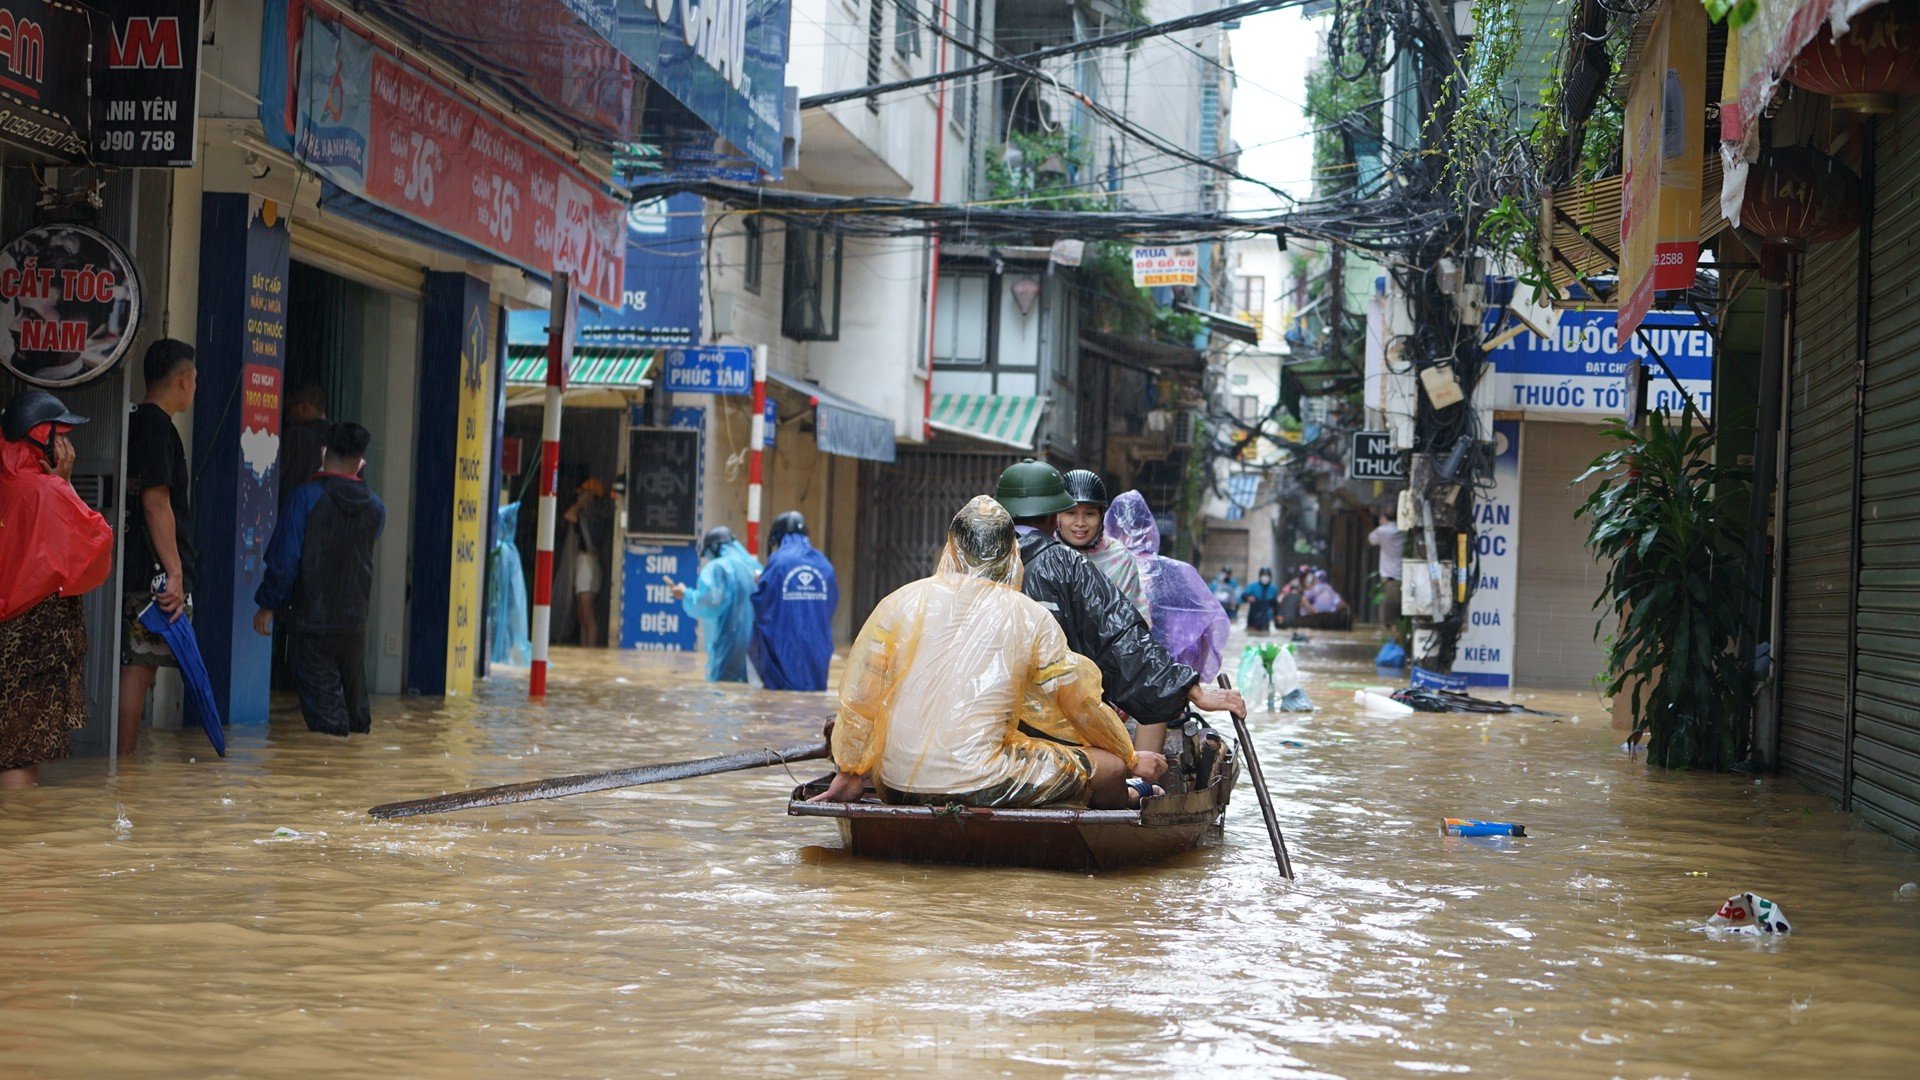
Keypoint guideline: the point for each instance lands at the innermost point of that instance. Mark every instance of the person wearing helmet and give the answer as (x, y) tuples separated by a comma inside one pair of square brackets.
[(722, 599), (1083, 528), (1101, 624), (53, 547), (945, 672), (793, 610)]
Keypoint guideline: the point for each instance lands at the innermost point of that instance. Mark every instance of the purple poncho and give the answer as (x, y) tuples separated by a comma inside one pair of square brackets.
[(1186, 617)]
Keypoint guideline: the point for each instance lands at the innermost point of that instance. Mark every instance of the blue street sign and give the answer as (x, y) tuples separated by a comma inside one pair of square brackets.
[(712, 369)]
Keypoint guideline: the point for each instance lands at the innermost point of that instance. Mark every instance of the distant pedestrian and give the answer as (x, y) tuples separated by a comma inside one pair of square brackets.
[(53, 547), (1262, 599), (722, 599), (320, 579), (1387, 538), (303, 437), (1226, 589), (1321, 599), (158, 560), (793, 610), (580, 559)]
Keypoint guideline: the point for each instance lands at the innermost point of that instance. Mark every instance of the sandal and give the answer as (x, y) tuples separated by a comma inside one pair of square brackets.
[(1142, 790)]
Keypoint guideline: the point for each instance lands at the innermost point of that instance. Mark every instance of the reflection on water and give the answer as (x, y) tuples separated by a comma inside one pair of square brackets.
[(155, 924)]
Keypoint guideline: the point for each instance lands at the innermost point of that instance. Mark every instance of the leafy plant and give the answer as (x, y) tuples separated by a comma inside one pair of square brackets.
[(1671, 525), (1737, 13), (1037, 169)]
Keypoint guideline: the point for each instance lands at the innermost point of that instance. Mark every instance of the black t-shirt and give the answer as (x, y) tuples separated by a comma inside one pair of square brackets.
[(155, 458)]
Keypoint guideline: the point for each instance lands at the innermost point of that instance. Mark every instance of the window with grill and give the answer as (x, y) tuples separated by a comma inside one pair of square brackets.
[(755, 244), (810, 300), (960, 320), (906, 28), (876, 45)]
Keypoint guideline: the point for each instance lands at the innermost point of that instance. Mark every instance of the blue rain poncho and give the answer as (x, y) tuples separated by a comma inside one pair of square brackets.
[(793, 617), (723, 602), (507, 593)]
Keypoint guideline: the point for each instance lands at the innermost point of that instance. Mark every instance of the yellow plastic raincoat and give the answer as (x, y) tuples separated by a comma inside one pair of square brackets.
[(943, 674)]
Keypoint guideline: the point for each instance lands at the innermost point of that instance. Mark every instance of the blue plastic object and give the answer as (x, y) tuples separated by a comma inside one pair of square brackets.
[(178, 634)]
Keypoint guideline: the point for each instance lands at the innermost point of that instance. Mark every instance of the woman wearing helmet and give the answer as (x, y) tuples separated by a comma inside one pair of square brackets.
[(54, 547), (1083, 529)]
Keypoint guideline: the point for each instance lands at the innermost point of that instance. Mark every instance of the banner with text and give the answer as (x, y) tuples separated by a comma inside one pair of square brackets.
[(1580, 366), (146, 83), (1486, 645), (1663, 151), (725, 60), (398, 137), (257, 492), (1158, 266), (471, 455)]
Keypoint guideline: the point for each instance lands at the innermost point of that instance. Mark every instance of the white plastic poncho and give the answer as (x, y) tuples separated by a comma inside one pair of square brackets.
[(945, 671)]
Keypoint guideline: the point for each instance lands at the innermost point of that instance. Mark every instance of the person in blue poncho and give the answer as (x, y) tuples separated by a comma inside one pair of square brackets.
[(793, 610), (723, 602)]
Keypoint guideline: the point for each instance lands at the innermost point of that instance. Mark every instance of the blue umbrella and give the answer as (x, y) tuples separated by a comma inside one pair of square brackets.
[(193, 670)]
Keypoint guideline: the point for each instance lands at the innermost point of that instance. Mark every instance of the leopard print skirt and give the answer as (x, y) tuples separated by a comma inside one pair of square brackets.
[(43, 693)]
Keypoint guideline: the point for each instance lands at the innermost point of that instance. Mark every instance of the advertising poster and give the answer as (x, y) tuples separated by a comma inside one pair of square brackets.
[(1154, 267), (43, 93), (1663, 151), (651, 619), (257, 490), (1486, 644), (660, 299), (1579, 369), (146, 92), (725, 60), (472, 452), (70, 304)]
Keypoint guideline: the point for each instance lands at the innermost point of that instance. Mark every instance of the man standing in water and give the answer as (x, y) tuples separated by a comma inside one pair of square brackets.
[(722, 599), (158, 567), (793, 610), (1100, 623)]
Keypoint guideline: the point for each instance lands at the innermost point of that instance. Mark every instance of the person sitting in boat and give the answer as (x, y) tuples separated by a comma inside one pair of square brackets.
[(1140, 677), (1083, 528), (948, 668)]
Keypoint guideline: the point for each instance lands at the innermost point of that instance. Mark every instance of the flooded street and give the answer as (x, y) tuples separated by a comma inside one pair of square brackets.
[(156, 925)]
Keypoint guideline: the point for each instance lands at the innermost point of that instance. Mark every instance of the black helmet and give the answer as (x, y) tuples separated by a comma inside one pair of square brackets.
[(1087, 488), (787, 524), (31, 408), (717, 537), (1032, 489)]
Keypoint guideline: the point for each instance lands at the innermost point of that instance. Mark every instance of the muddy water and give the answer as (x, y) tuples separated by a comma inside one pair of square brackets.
[(153, 924)]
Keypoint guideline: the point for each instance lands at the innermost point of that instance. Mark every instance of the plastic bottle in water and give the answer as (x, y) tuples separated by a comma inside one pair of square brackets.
[(1454, 826)]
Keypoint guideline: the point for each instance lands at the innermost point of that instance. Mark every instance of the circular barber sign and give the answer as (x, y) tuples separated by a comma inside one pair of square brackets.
[(70, 304)]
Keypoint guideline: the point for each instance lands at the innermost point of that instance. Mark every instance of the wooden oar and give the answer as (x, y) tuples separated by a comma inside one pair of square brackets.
[(579, 785), (1260, 789)]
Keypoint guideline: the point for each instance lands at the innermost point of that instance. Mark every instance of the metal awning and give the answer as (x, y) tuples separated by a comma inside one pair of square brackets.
[(604, 367), (1001, 418), (840, 426)]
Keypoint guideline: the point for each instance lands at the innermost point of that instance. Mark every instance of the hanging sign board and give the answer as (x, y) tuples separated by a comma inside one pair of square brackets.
[(43, 91), (1157, 266), (146, 81), (1580, 369), (651, 619), (1663, 151), (663, 471), (715, 369), (70, 304), (1372, 457)]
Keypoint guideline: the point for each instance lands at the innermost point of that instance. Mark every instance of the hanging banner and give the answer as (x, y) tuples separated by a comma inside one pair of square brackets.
[(1580, 368), (398, 137), (146, 83), (725, 60), (43, 107), (471, 457), (1485, 655), (1663, 150), (70, 305), (256, 501), (660, 301), (1158, 266)]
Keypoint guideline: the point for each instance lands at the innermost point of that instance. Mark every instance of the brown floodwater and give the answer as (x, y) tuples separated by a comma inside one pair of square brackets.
[(152, 922)]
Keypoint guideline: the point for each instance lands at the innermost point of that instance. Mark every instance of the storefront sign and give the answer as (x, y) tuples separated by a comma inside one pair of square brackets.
[(725, 60), (43, 92), (660, 303), (663, 482), (651, 620), (1662, 152), (146, 82), (395, 135), (714, 369), (1485, 654), (1372, 457), (256, 505), (1580, 367), (470, 476), (1155, 266), (70, 305)]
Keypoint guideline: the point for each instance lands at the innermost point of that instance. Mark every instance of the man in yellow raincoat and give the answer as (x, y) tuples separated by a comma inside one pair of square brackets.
[(946, 670)]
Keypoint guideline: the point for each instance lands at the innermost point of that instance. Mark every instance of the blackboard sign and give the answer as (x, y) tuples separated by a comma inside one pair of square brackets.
[(663, 480), (1374, 458)]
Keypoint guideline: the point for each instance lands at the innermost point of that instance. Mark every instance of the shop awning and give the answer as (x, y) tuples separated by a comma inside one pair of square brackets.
[(1580, 224), (840, 426), (604, 367), (1002, 418)]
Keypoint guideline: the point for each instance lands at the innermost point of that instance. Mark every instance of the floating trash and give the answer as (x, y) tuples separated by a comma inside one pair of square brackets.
[(1454, 826), (1745, 913)]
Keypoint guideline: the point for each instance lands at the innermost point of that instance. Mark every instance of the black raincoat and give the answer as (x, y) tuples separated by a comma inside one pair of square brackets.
[(1102, 625)]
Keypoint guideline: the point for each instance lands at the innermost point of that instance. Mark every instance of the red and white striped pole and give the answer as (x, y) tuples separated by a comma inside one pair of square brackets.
[(561, 319), (756, 447)]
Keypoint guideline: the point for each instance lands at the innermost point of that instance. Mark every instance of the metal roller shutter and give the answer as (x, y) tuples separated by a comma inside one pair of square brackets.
[(1884, 766), (1554, 644), (1816, 559)]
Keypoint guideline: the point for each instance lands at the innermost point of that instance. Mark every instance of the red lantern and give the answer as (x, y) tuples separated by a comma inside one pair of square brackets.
[(1797, 196), (1870, 66)]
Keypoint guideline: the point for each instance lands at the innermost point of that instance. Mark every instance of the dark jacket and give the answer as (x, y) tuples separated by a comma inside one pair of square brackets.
[(1102, 625), (320, 560)]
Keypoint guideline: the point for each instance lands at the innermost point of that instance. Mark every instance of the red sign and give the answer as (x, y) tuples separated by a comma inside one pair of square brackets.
[(444, 162), (511, 453), (260, 398)]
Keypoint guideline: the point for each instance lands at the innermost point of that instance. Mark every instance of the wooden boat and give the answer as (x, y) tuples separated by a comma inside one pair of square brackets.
[(1202, 769)]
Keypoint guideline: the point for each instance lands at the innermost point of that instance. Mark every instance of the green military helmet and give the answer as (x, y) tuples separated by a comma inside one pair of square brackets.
[(1032, 489)]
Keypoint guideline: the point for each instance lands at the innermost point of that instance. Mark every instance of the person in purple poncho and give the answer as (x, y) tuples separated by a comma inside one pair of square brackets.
[(1187, 620)]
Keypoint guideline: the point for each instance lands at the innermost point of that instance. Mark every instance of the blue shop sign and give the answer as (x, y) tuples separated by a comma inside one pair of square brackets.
[(1580, 365), (725, 60), (714, 369)]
